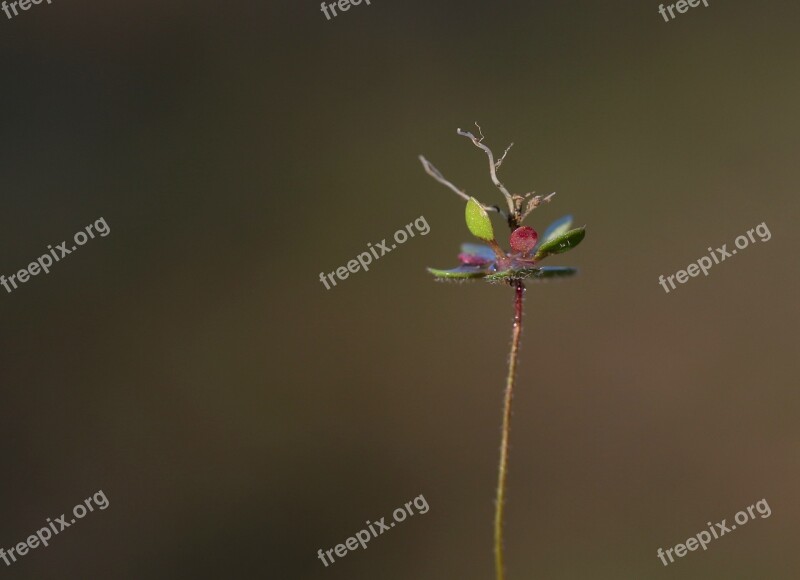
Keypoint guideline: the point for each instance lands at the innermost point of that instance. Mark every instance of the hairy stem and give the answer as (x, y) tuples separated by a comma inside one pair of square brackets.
[(519, 293)]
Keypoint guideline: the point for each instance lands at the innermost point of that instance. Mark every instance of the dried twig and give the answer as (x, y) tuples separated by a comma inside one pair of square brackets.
[(535, 202), (437, 175), (492, 165), (502, 158)]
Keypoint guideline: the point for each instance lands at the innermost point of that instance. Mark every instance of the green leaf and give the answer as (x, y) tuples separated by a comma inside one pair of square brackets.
[(542, 273), (463, 272), (560, 244), (478, 221), (557, 228), (549, 272)]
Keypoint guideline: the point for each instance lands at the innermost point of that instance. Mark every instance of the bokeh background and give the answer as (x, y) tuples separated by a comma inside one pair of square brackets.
[(239, 416)]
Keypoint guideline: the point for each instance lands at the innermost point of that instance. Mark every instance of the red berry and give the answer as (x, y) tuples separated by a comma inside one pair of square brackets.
[(523, 239)]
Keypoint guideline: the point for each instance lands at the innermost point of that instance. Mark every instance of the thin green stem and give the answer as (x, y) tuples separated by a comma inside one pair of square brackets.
[(519, 293)]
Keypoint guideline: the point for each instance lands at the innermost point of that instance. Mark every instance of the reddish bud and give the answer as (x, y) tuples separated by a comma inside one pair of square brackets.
[(523, 239)]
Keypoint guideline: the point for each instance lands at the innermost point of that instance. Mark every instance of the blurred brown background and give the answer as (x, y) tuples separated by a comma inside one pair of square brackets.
[(239, 417)]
